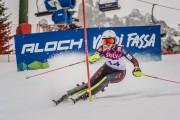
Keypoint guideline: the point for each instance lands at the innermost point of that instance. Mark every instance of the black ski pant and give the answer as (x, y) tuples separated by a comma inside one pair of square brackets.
[(111, 76)]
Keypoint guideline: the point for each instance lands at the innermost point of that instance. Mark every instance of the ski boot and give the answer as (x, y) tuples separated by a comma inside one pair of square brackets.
[(83, 96)]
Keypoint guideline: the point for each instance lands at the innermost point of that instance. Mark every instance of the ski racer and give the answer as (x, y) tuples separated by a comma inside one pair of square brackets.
[(113, 70)]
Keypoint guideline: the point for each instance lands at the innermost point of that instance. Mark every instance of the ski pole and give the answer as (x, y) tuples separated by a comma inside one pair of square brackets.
[(55, 69), (162, 79)]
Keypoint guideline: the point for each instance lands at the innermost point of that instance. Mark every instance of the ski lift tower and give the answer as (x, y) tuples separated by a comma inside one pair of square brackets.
[(24, 27)]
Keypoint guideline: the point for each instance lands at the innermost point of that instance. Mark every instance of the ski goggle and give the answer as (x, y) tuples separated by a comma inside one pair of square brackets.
[(108, 40)]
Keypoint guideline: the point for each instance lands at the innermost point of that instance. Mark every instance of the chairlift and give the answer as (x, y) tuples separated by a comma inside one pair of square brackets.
[(159, 22), (114, 5)]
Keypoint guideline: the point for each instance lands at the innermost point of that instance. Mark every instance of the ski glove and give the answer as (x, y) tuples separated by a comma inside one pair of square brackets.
[(137, 72), (93, 58)]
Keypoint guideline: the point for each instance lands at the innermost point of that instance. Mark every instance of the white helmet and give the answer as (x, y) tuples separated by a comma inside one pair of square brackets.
[(108, 34)]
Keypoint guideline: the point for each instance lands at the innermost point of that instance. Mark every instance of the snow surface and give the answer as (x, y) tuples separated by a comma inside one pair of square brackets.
[(132, 99)]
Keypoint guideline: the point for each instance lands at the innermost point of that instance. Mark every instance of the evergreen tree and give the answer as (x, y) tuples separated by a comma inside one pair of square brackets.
[(4, 30)]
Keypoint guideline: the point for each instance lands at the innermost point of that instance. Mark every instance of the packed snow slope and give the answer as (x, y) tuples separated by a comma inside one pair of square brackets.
[(132, 99)]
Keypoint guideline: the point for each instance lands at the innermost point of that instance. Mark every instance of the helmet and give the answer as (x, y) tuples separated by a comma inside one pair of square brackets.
[(108, 34)]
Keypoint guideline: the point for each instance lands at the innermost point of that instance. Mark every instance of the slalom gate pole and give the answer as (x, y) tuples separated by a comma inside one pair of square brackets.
[(86, 47), (162, 79), (54, 69)]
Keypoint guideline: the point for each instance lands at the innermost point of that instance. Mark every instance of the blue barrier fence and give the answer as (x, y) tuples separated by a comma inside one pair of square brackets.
[(33, 50)]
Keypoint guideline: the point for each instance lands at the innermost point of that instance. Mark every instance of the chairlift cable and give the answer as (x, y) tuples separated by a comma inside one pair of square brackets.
[(159, 5)]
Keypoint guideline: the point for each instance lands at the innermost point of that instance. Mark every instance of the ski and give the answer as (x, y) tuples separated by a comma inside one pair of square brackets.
[(63, 98), (74, 100), (55, 102)]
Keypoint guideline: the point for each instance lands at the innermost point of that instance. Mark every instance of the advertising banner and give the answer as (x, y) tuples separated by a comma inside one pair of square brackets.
[(33, 50)]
